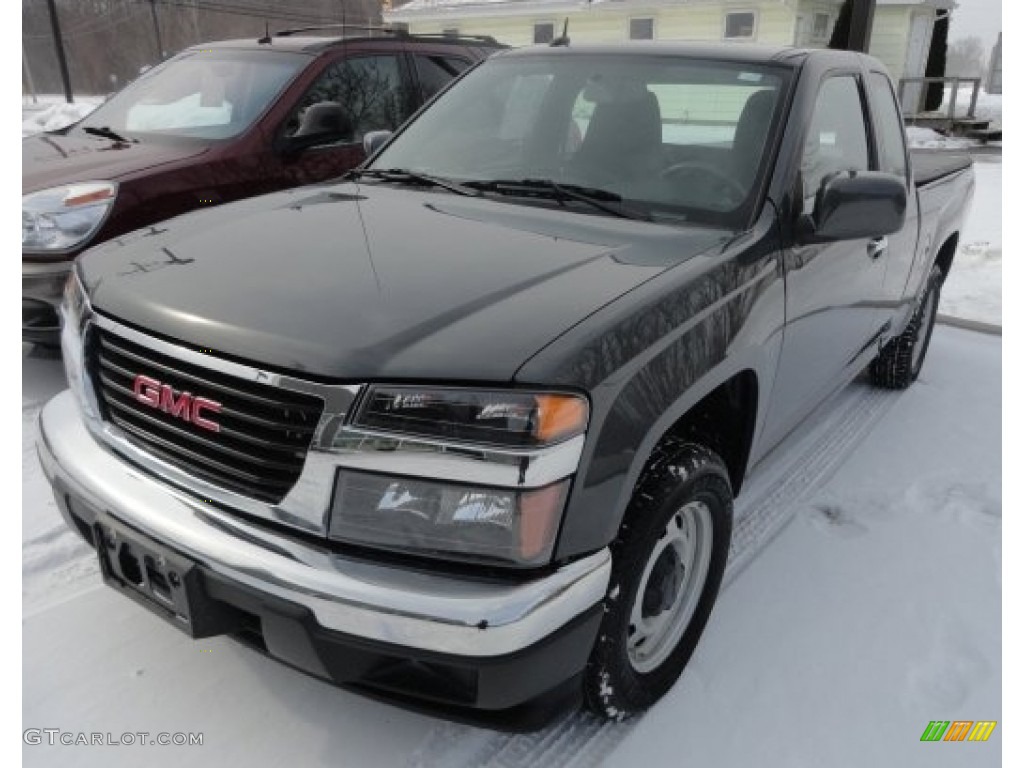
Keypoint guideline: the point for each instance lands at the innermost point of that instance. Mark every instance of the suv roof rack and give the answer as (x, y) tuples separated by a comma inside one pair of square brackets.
[(396, 30)]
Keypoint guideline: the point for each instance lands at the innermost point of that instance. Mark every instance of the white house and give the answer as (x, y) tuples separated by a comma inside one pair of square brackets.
[(900, 37)]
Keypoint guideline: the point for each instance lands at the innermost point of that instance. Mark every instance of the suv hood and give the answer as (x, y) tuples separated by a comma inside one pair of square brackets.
[(364, 282), (52, 159)]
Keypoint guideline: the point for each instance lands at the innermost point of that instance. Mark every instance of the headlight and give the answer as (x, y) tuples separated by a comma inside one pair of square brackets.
[(472, 475), (458, 522), (508, 418), (61, 218)]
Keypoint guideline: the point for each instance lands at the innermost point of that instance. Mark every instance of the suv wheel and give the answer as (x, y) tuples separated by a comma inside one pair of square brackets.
[(667, 566)]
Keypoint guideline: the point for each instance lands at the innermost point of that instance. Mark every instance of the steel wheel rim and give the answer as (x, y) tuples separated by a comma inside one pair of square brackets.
[(921, 342), (685, 544)]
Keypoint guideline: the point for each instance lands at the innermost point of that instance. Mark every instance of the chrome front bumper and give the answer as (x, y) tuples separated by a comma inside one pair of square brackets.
[(382, 603)]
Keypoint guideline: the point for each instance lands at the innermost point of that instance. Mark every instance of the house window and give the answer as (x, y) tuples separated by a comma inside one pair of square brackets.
[(740, 26), (641, 29), (450, 32), (820, 30), (543, 32)]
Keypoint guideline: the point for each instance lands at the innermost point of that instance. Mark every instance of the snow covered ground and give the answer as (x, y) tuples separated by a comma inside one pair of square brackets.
[(973, 289), (874, 609)]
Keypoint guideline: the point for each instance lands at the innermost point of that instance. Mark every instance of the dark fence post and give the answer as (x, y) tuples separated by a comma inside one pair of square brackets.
[(58, 43)]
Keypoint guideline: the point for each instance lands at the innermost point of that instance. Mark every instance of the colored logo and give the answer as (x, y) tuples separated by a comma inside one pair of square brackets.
[(958, 730)]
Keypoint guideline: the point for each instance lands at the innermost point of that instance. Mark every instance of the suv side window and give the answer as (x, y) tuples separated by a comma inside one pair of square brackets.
[(369, 88), (435, 72), (837, 140), (892, 157)]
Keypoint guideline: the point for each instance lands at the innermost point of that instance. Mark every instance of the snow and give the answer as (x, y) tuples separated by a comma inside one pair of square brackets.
[(862, 601), (988, 107), (52, 112), (973, 290), (926, 138)]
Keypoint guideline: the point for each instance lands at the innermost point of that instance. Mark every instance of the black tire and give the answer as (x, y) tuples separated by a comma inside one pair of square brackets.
[(899, 363), (679, 474)]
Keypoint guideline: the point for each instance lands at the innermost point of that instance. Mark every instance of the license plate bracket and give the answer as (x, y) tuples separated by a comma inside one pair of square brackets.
[(163, 581)]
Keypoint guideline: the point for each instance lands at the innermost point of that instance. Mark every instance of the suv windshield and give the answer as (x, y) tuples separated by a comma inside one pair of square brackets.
[(201, 94), (673, 137)]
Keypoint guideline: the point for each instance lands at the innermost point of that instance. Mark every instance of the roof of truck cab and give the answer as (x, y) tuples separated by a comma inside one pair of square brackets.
[(736, 52)]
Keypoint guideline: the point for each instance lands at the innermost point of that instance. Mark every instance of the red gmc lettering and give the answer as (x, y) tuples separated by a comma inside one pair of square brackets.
[(200, 404), (182, 405), (176, 407), (147, 391)]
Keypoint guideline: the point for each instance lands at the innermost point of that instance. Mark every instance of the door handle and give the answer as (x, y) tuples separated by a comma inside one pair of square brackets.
[(877, 247)]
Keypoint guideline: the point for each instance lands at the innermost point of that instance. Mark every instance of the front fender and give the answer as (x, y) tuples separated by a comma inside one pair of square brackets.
[(652, 355)]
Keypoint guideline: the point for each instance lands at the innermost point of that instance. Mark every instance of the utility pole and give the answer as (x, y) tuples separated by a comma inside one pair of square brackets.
[(58, 44), (861, 20), (156, 29)]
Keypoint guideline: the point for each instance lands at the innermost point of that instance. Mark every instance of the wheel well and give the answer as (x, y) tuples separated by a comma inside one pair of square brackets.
[(724, 422), (944, 258)]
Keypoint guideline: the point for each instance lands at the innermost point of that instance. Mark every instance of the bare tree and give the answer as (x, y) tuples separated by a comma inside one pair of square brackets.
[(966, 58)]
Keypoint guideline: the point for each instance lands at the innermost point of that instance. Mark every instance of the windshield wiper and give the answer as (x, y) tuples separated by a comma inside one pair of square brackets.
[(601, 199), (403, 175), (107, 133)]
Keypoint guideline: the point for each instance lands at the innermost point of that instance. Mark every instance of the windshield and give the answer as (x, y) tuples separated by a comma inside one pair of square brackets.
[(200, 94), (677, 138)]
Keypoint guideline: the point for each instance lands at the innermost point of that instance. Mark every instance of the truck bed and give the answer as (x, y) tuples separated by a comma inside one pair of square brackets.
[(931, 166)]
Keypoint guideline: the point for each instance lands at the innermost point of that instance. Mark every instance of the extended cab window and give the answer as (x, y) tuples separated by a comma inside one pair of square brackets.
[(837, 139), (369, 88), (892, 157)]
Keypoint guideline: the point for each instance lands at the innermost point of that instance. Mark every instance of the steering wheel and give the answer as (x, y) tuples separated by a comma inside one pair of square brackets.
[(696, 165)]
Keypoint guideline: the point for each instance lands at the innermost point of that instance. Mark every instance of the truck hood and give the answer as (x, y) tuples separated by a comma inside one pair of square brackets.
[(368, 282), (52, 159)]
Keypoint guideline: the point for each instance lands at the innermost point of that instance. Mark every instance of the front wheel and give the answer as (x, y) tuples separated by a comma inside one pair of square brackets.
[(667, 566)]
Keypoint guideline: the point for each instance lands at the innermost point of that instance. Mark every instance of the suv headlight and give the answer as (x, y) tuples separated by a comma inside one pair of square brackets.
[(458, 519), (61, 218)]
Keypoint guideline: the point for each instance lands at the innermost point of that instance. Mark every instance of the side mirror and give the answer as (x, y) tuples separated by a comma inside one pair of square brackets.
[(374, 140), (851, 206), (326, 122)]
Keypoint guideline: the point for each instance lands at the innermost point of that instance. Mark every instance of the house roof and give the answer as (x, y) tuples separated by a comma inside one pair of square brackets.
[(422, 8)]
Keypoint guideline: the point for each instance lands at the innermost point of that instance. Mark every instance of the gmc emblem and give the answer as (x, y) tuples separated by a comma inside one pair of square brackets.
[(183, 405)]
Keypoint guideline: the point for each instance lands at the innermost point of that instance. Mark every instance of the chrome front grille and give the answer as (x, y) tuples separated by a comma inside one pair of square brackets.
[(264, 431)]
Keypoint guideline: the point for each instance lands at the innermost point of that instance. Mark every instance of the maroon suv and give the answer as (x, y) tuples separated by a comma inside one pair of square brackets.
[(216, 123)]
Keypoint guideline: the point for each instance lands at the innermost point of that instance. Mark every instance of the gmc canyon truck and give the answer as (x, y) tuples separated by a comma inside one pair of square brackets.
[(464, 428)]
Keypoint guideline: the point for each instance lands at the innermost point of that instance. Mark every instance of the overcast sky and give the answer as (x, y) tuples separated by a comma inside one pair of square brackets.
[(977, 18)]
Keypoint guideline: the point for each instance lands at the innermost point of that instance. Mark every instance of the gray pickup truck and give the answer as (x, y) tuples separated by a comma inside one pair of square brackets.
[(463, 429)]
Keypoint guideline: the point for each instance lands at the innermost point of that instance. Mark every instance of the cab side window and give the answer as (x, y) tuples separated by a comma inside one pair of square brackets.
[(837, 140), (892, 157), (435, 72), (370, 90)]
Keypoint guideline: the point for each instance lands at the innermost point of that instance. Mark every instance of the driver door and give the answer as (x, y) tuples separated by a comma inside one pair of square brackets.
[(834, 291)]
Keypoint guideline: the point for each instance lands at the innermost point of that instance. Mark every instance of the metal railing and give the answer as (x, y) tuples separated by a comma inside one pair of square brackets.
[(954, 91)]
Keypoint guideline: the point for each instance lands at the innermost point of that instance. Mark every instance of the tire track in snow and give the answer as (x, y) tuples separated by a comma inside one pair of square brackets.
[(766, 505)]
